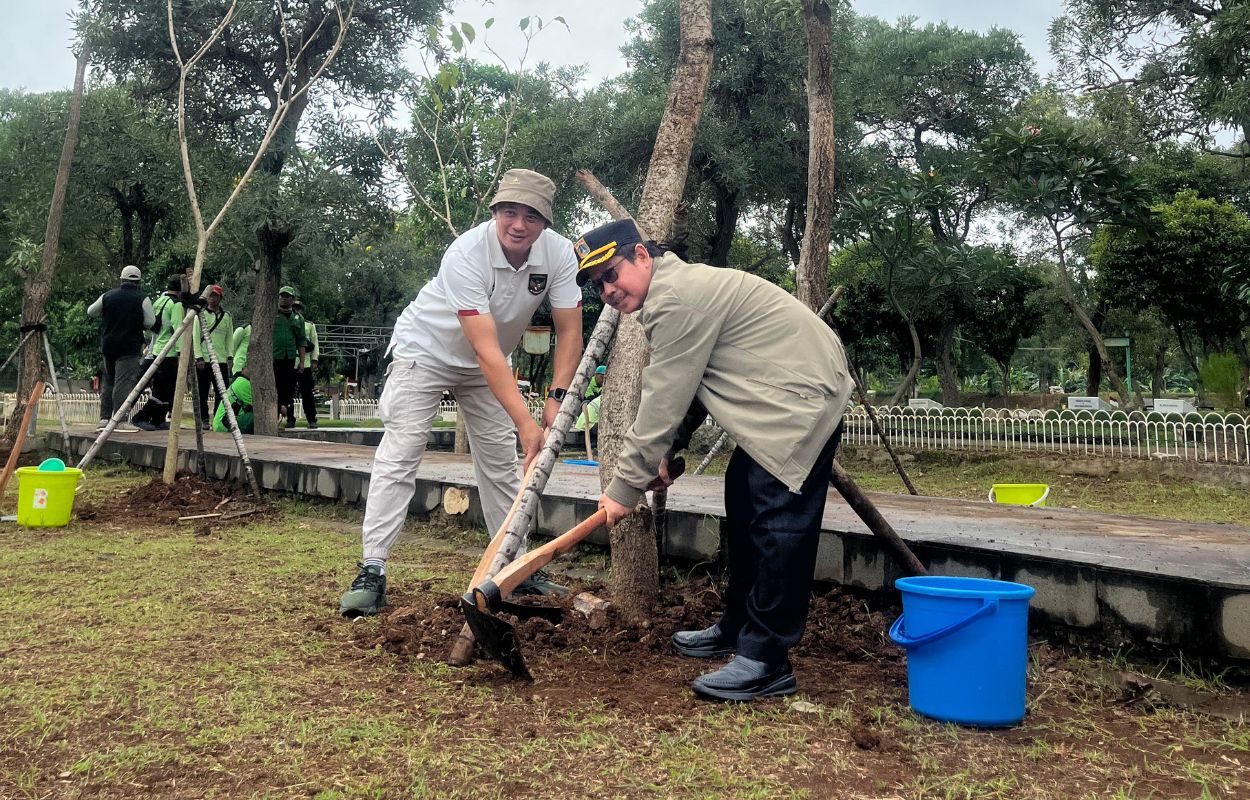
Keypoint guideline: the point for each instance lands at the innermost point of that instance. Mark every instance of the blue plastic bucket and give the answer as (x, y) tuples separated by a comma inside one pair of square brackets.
[(967, 648)]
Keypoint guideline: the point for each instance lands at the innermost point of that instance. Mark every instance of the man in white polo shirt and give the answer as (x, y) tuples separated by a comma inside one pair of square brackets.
[(457, 335)]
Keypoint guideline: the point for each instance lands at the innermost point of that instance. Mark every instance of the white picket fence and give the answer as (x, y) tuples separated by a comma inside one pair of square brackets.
[(1199, 436), (80, 407), (1206, 437), (84, 408)]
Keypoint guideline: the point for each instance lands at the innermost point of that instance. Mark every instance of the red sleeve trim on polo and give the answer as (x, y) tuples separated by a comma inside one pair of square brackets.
[(469, 312)]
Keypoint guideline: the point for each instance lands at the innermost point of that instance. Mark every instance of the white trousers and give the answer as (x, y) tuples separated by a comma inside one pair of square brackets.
[(407, 407)]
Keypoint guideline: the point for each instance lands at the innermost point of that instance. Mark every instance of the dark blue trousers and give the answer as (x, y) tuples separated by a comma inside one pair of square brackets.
[(771, 538)]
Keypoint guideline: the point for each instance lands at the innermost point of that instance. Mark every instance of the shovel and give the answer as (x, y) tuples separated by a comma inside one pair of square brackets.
[(496, 636)]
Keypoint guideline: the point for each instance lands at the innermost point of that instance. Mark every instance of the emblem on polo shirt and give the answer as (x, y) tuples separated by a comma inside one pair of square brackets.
[(538, 284)]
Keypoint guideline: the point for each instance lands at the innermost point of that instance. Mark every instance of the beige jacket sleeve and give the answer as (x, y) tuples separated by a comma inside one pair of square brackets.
[(682, 339)]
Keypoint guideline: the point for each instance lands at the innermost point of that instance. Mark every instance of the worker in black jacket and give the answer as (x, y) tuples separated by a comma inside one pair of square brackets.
[(125, 315)]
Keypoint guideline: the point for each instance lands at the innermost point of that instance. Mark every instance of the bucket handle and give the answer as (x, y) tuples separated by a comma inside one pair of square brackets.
[(900, 637)]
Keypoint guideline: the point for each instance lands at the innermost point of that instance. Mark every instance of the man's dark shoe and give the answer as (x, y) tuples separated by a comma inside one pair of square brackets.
[(290, 423), (144, 425), (312, 426), (707, 643), (366, 595), (747, 679), (540, 583)]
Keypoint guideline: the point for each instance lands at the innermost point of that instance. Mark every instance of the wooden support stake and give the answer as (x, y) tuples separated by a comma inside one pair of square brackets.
[(864, 508), (11, 465)]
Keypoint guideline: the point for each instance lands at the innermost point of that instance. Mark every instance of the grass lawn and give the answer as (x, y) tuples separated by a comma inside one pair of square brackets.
[(144, 661), (970, 476)]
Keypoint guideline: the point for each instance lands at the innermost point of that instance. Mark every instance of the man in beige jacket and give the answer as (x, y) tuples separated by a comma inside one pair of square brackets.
[(775, 377)]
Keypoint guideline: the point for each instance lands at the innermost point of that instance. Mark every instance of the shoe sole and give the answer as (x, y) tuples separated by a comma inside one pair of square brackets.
[(785, 685), (704, 652), (355, 613)]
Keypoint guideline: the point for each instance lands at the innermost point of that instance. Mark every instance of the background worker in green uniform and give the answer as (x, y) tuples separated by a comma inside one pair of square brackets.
[(242, 339), (304, 379), (289, 345), (168, 317), (589, 419), (595, 387), (239, 396), (221, 332)]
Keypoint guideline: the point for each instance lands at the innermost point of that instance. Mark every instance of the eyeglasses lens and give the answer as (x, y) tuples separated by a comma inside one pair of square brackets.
[(609, 276)]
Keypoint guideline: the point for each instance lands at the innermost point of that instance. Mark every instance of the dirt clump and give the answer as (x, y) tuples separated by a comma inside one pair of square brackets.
[(159, 503), (865, 738)]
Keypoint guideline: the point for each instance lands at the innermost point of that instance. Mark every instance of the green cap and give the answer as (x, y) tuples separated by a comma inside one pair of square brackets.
[(288, 290)]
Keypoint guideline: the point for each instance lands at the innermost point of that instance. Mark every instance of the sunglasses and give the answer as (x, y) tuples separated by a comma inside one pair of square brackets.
[(609, 275)]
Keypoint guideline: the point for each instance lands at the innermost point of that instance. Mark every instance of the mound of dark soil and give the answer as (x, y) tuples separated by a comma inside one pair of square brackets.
[(160, 503), (842, 629), (31, 459)]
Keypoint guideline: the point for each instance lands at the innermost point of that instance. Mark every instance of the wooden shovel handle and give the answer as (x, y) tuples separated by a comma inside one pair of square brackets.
[(492, 549), (11, 465), (513, 575)]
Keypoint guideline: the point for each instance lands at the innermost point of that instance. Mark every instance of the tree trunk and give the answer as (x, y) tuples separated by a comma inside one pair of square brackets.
[(1158, 384), (727, 213), (812, 274), (260, 351), (1069, 299), (460, 445), (1005, 367), (38, 284), (786, 232), (1093, 374), (947, 377), (133, 206), (635, 560), (905, 387)]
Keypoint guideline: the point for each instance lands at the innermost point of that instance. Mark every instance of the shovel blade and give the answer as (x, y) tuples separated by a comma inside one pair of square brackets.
[(497, 639)]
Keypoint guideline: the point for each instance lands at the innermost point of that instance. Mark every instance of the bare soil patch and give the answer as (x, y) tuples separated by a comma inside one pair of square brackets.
[(31, 459), (190, 495), (844, 663), (630, 664)]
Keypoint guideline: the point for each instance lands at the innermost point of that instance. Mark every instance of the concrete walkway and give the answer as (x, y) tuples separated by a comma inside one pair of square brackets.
[(1176, 583)]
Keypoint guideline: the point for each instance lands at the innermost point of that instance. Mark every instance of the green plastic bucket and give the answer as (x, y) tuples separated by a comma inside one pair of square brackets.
[(45, 498), (1020, 494)]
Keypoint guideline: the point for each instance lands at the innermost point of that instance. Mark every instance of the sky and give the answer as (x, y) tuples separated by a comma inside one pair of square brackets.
[(35, 39)]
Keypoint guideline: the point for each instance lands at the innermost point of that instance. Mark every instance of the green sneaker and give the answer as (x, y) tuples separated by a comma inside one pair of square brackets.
[(367, 594), (540, 583)]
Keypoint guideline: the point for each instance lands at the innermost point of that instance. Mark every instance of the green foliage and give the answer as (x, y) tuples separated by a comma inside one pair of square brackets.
[(1170, 168), (238, 83), (1221, 379), (1006, 307), (1188, 61), (953, 86), (118, 201), (1064, 177), (893, 219), (1180, 266)]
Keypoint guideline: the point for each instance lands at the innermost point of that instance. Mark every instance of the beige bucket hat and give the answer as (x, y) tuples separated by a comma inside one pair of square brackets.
[(528, 188)]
